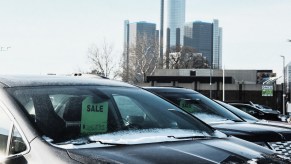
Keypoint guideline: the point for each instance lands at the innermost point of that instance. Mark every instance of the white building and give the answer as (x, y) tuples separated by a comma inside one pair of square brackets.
[(217, 45)]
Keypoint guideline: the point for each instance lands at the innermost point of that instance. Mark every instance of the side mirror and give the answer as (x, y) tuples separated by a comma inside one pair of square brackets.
[(17, 147), (19, 159)]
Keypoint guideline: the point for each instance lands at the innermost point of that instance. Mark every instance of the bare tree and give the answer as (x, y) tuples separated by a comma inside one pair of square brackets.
[(103, 60), (186, 57), (143, 59)]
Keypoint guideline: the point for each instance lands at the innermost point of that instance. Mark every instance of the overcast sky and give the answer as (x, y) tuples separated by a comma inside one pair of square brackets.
[(53, 36)]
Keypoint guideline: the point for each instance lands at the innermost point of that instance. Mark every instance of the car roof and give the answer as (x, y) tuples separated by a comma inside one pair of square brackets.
[(242, 104), (170, 89), (54, 80)]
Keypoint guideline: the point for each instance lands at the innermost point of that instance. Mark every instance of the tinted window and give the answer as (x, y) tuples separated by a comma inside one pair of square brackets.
[(200, 106), (247, 109), (240, 113)]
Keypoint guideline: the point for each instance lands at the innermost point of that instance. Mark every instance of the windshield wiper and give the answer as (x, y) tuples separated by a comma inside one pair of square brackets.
[(87, 140), (232, 120), (193, 137)]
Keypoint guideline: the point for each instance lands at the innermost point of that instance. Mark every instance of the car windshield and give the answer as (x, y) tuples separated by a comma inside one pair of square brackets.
[(243, 115), (201, 107), (100, 112)]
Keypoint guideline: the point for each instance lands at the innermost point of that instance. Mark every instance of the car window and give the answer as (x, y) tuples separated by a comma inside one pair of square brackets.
[(17, 144), (70, 112), (238, 112), (9, 145), (200, 106), (128, 106), (248, 109), (5, 127)]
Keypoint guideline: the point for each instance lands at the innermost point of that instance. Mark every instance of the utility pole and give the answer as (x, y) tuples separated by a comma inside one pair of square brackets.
[(283, 89), (162, 36)]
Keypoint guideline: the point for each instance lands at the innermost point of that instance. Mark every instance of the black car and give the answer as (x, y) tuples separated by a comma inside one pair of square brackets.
[(267, 114), (243, 115), (267, 135), (249, 118), (52, 119)]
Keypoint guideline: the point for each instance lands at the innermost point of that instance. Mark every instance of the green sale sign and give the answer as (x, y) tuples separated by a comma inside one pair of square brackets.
[(94, 116)]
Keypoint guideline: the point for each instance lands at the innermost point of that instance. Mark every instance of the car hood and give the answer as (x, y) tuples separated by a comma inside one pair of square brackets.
[(255, 132), (274, 123), (270, 111), (225, 150)]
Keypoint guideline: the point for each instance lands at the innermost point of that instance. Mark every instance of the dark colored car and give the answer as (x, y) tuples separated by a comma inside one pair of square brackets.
[(267, 114), (52, 119), (270, 136), (249, 118), (243, 115)]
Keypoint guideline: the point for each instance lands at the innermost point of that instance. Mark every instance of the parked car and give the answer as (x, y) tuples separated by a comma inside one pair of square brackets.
[(265, 107), (243, 115), (52, 119), (249, 118), (267, 135), (267, 114)]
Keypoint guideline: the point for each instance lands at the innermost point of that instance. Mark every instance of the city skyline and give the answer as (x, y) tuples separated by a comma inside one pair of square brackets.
[(44, 35)]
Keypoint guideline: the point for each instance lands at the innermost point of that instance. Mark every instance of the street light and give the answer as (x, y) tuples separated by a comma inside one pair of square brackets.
[(210, 79), (283, 90), (210, 83)]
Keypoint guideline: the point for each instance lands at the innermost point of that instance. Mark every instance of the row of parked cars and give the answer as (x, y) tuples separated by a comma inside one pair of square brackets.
[(56, 119)]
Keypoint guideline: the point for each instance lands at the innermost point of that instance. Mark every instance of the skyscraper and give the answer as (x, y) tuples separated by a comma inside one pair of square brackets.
[(175, 20), (141, 44), (198, 35), (206, 38), (133, 31), (217, 46), (138, 30)]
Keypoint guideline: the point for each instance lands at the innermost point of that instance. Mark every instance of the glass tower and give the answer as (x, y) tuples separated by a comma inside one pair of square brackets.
[(206, 38), (176, 20)]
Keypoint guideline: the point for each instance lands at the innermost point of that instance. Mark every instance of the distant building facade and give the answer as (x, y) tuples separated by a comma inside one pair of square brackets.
[(206, 38), (217, 45), (288, 77), (198, 35), (141, 47), (135, 31), (175, 21)]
